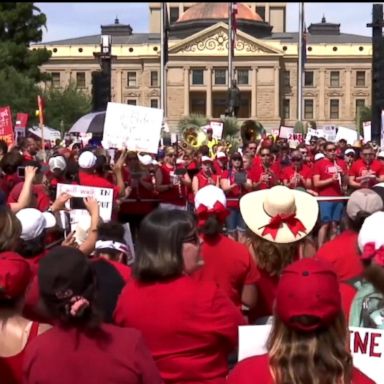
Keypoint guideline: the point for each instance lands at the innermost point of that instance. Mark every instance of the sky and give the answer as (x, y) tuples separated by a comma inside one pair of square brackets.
[(67, 20)]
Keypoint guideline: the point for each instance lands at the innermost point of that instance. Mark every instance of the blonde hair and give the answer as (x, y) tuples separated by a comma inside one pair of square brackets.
[(271, 257), (319, 357), (10, 230)]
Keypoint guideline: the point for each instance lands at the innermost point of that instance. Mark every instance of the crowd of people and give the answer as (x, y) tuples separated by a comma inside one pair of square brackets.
[(270, 233)]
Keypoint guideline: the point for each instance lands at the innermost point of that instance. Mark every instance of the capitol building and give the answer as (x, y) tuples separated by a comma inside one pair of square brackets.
[(337, 78)]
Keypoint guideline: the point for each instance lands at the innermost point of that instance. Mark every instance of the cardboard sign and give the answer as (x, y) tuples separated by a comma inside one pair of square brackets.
[(367, 131), (367, 347), (286, 132), (6, 126), (104, 197), (217, 129), (136, 128)]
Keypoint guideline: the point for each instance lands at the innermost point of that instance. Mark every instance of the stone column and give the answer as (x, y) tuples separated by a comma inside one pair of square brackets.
[(186, 91), (267, 10), (322, 106), (209, 92), (277, 93), (254, 93), (118, 86), (347, 99)]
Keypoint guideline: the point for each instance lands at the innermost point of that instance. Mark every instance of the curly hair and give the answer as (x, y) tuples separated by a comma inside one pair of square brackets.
[(319, 357)]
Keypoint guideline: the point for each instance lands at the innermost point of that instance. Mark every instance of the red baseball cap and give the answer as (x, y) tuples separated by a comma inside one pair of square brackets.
[(15, 274), (308, 287)]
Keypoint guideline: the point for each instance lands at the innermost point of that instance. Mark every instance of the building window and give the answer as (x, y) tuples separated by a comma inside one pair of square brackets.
[(360, 103), (131, 79), (286, 79), (131, 101), (243, 76), (308, 79), (261, 12), (197, 77), (56, 79), (334, 108), (154, 103), (173, 14), (286, 108), (220, 76), (80, 79), (308, 109), (154, 79), (360, 78), (335, 79)]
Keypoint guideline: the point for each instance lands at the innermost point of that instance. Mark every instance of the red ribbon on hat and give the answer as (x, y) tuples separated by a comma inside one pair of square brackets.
[(218, 209), (292, 222), (371, 253)]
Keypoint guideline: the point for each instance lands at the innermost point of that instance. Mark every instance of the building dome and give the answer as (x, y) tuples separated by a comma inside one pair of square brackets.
[(217, 11)]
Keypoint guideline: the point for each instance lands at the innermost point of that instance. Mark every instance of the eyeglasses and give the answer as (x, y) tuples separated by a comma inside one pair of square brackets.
[(297, 158), (236, 159), (350, 155), (252, 147), (331, 149)]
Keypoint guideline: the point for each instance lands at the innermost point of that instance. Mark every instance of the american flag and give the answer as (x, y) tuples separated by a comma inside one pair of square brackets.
[(234, 27)]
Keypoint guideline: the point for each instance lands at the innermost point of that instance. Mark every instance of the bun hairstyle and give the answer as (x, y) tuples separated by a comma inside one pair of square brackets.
[(68, 288)]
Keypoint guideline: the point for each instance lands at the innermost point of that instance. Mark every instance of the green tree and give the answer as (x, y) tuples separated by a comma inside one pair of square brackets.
[(192, 121), (20, 25), (64, 106), (362, 115)]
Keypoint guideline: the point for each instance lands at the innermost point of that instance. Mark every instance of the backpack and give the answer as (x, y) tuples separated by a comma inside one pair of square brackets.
[(367, 308)]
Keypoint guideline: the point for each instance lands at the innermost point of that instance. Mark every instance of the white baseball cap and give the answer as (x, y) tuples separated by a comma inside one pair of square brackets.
[(349, 150), (209, 195), (87, 160), (221, 155), (319, 156), (57, 162), (33, 222), (205, 158)]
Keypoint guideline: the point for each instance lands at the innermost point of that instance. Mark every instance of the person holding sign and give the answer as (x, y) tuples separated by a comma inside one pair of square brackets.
[(309, 337)]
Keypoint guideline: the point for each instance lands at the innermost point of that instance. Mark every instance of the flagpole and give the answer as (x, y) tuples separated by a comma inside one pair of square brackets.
[(230, 48), (162, 59), (300, 66)]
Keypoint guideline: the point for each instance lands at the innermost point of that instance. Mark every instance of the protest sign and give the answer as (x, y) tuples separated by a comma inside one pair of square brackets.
[(329, 132), (350, 135), (136, 128), (313, 132), (367, 131), (285, 132), (367, 347), (104, 197), (6, 126), (217, 129)]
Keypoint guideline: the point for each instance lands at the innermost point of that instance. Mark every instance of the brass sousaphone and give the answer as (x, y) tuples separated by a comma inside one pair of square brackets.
[(251, 130), (193, 138)]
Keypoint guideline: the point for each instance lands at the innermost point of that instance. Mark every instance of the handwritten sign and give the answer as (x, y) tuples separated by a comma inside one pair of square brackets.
[(217, 129), (285, 132), (329, 132), (136, 128), (6, 127), (104, 197), (366, 345)]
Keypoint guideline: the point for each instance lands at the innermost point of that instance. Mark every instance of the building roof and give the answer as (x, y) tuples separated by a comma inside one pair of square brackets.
[(217, 11), (342, 38)]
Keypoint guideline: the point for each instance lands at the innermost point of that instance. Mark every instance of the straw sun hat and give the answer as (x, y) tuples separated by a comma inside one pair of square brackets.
[(279, 214)]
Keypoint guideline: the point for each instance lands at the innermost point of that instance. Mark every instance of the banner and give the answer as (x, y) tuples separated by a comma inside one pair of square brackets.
[(367, 347), (136, 128), (6, 126), (21, 120), (104, 197)]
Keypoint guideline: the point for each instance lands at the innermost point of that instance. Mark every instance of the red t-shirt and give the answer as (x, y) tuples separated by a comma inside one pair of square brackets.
[(255, 369), (189, 326), (40, 198), (229, 264), (217, 167), (289, 172), (115, 355), (326, 169), (92, 180), (8, 182), (203, 180), (256, 172), (360, 168), (234, 193), (342, 253), (175, 195)]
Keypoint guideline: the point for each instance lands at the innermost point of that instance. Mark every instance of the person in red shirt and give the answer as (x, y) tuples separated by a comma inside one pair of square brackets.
[(220, 163), (29, 148), (367, 171), (79, 348), (309, 336), (191, 327), (265, 175), (226, 262), (205, 176), (297, 175), (330, 179)]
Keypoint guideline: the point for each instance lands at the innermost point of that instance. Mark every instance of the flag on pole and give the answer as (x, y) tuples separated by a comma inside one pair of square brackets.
[(233, 27), (41, 109)]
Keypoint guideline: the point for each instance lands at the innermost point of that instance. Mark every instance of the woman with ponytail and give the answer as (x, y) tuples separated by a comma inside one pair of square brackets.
[(226, 262), (80, 348)]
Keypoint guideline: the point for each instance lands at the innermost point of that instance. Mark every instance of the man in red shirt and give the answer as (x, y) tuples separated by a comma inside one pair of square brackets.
[(297, 175), (265, 175), (329, 179), (367, 171), (29, 148)]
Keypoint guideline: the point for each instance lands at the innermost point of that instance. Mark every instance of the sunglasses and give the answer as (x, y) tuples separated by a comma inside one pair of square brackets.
[(350, 155), (297, 158), (252, 148), (264, 154), (237, 159)]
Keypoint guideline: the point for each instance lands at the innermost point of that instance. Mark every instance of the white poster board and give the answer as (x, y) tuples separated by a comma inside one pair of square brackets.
[(350, 135), (104, 197), (329, 132), (367, 347), (286, 132), (313, 132), (367, 131), (217, 129), (136, 128)]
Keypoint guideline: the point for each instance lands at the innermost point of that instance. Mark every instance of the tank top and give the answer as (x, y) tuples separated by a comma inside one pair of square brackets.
[(11, 366)]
